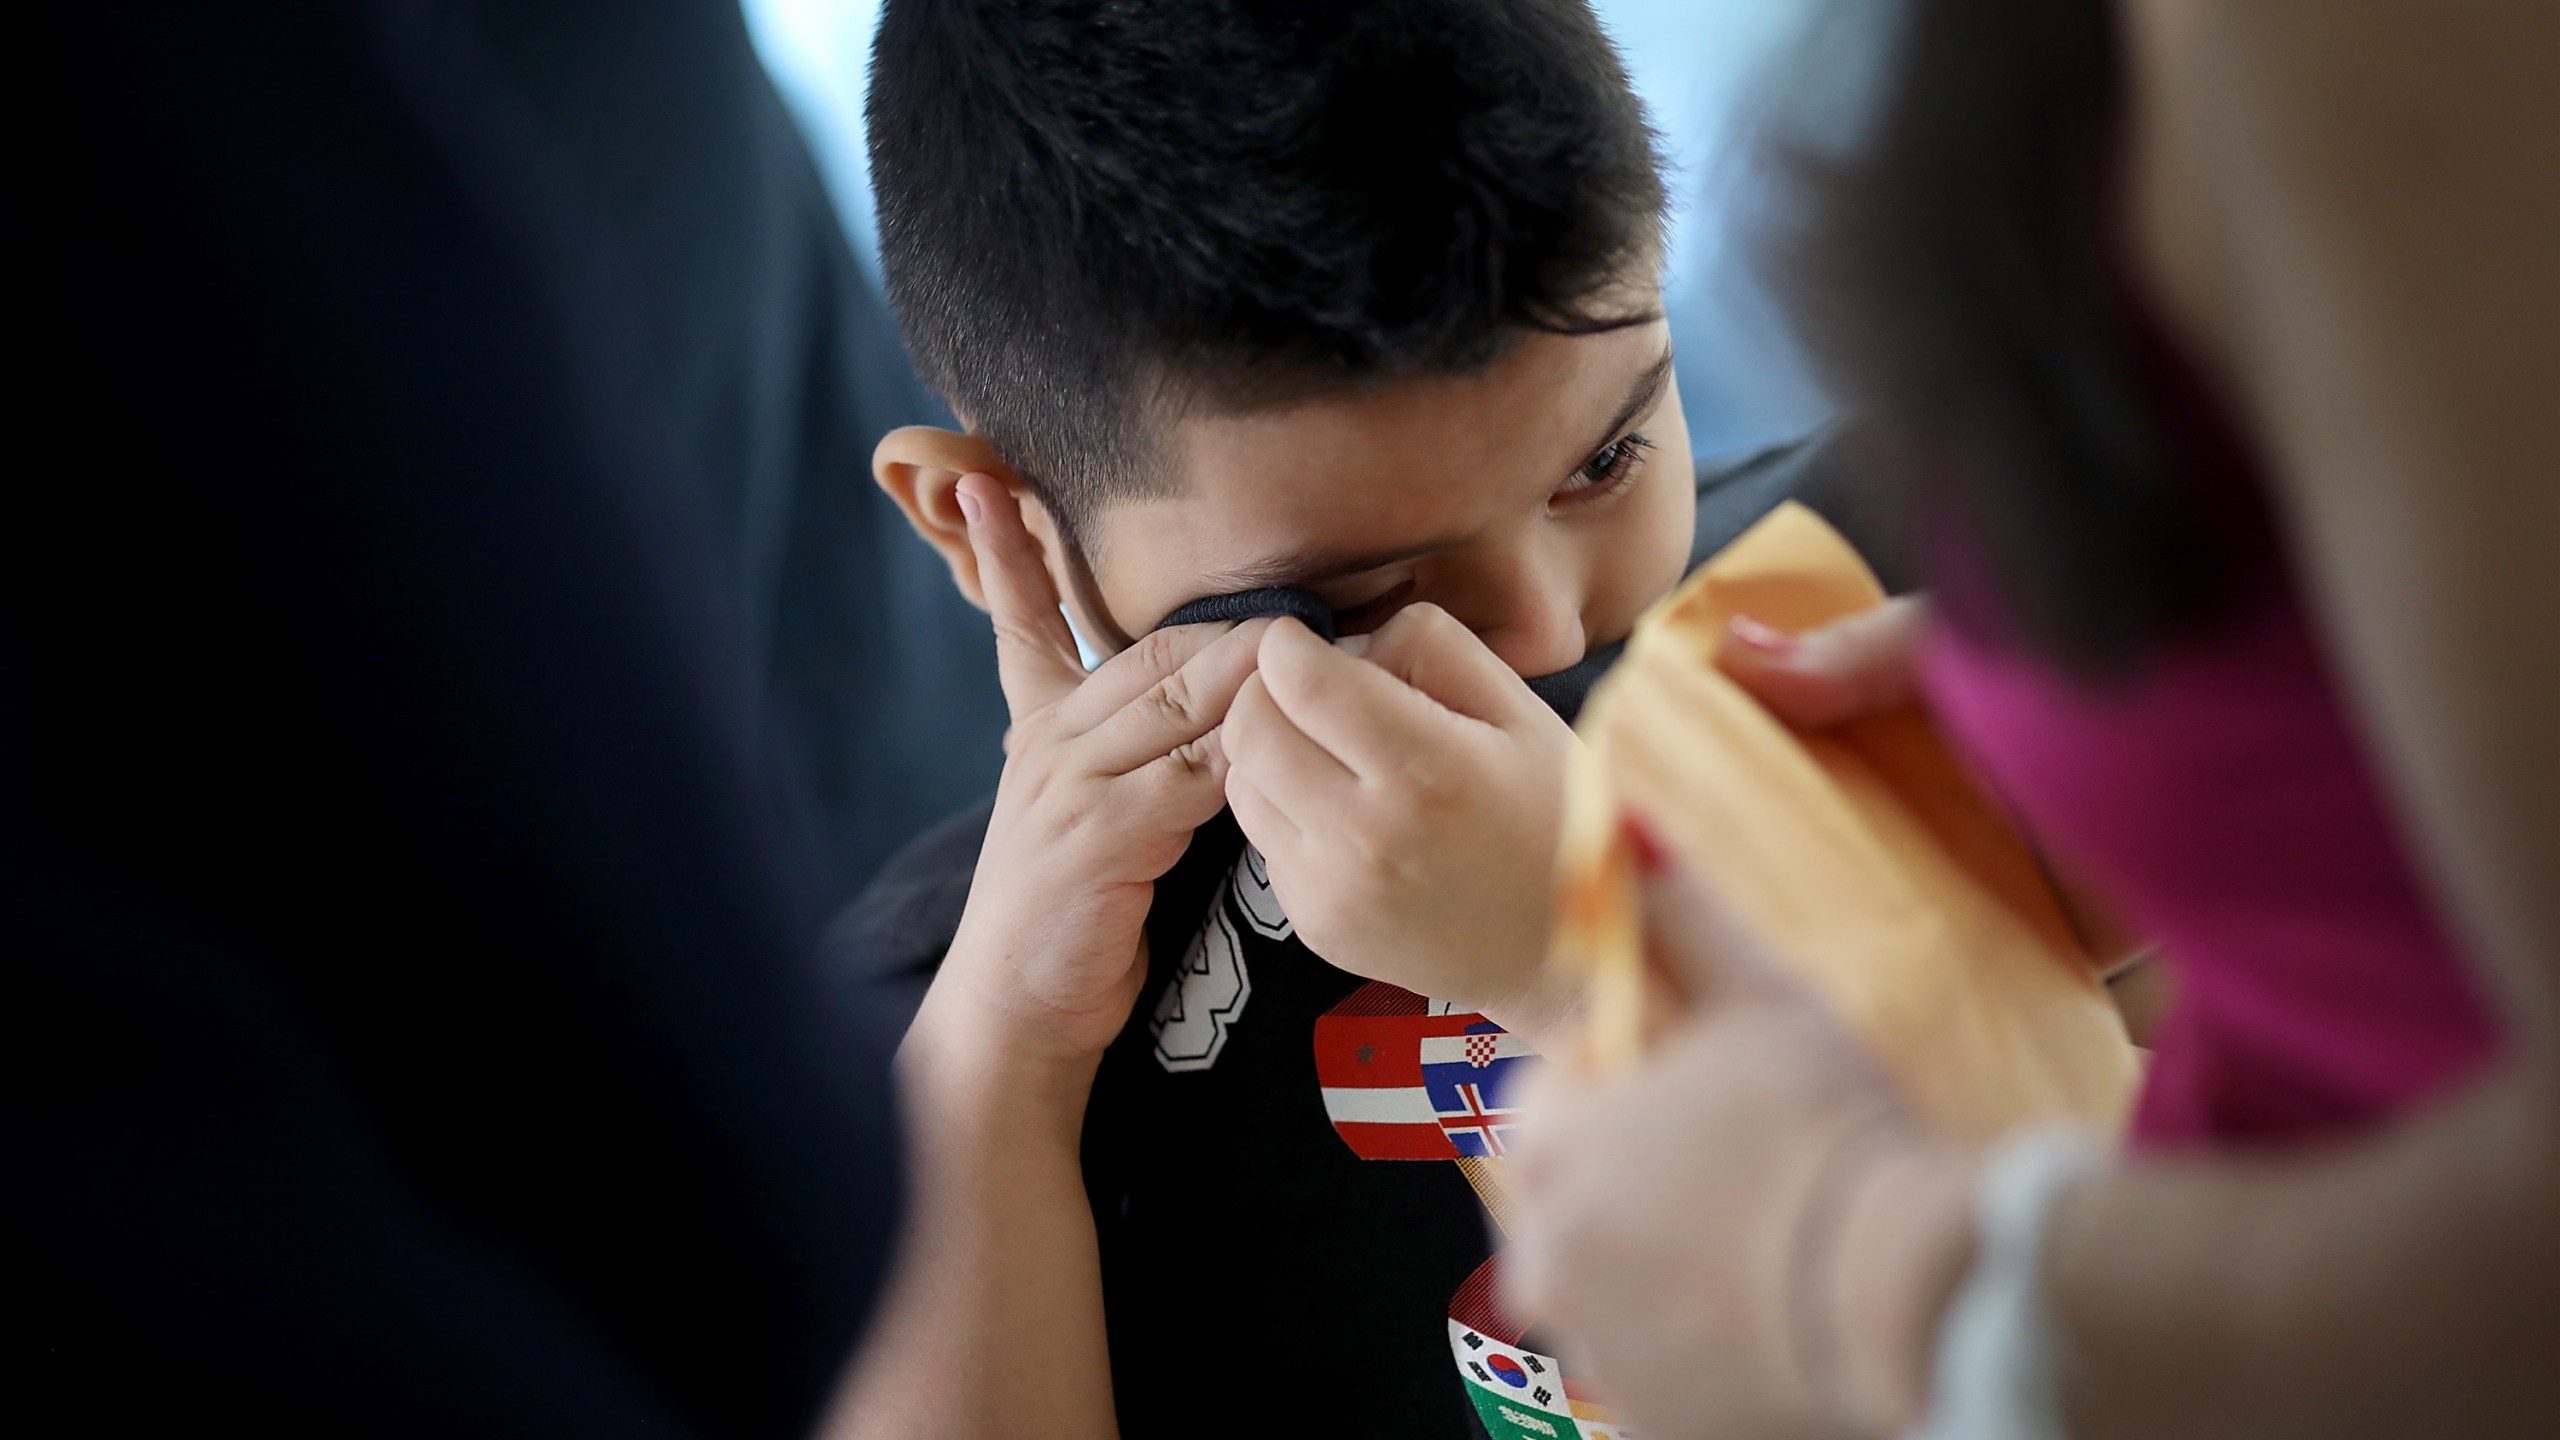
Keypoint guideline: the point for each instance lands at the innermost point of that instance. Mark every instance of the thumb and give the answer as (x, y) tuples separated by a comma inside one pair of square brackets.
[(1036, 658), (1851, 668), (1427, 648)]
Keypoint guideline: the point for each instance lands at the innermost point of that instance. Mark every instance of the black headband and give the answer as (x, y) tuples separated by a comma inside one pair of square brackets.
[(1243, 605), (1564, 690)]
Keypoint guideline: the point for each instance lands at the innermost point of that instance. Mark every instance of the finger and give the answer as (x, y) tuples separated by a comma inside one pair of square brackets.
[(1178, 791), (1120, 680), (1270, 752), (1367, 719), (1264, 823), (1693, 940), (1427, 648), (1543, 1093), (1036, 658), (1185, 703), (1862, 665), (1537, 1175), (1526, 1273)]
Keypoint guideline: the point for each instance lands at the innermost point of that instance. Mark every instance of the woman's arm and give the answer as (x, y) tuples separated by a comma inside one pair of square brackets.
[(2351, 207), (2373, 188), (2354, 207)]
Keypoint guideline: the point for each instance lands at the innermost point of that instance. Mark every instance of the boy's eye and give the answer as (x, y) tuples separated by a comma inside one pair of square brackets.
[(1369, 614), (1606, 473)]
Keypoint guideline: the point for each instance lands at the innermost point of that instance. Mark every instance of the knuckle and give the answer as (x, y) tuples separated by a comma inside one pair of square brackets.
[(1424, 615), (1033, 734), (1013, 635), (1366, 851), (1872, 689), (1151, 783), (1426, 624), (1176, 698), (1159, 650), (1196, 759), (1083, 827), (1399, 832), (1414, 784)]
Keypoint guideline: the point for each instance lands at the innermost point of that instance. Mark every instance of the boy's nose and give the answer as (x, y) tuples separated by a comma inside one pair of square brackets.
[(1534, 625)]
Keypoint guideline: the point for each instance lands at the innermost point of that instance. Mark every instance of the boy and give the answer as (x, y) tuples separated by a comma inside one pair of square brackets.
[(1351, 299)]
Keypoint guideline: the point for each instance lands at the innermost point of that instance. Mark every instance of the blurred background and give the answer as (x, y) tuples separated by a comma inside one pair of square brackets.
[(931, 719)]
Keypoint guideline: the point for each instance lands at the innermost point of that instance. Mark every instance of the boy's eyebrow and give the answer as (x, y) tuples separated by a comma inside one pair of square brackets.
[(1646, 389), (1309, 567)]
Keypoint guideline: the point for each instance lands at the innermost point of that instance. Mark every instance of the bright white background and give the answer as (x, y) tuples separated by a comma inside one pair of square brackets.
[(1699, 65)]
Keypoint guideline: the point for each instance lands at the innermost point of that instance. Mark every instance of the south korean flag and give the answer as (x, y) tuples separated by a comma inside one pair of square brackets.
[(1519, 1393)]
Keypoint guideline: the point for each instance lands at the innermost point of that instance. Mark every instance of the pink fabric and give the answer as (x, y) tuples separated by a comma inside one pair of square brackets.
[(2223, 802)]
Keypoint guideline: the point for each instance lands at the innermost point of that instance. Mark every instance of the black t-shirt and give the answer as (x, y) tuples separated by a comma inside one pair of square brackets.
[(1288, 1242)]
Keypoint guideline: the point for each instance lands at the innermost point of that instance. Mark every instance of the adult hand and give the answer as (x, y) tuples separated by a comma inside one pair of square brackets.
[(1106, 775), (1406, 791), (1862, 665), (1868, 664), (1746, 1236)]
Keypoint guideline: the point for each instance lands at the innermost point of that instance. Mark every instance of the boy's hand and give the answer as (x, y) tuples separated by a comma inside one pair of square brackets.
[(1106, 776), (1407, 797)]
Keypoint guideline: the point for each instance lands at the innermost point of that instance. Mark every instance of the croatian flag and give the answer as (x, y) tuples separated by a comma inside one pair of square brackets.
[(1407, 1078), (1468, 1076)]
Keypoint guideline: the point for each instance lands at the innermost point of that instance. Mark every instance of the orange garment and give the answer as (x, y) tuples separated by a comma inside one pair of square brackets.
[(1865, 855)]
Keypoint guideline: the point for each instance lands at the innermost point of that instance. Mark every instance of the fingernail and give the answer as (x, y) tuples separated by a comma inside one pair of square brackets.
[(1767, 639), (971, 509), (1650, 857), (1352, 644)]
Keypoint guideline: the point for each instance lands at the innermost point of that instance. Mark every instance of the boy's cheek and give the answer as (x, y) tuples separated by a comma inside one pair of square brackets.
[(1660, 557), (1640, 556)]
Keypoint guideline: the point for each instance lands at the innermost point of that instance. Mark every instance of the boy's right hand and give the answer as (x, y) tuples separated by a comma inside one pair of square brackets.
[(1106, 775)]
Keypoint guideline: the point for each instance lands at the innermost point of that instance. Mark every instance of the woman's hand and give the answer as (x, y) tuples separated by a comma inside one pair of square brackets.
[(1746, 1236), (1869, 664), (1863, 665)]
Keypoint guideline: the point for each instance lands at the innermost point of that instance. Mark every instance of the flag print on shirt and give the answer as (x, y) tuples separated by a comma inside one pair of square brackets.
[(1406, 1079), (1519, 1393), (1468, 1077)]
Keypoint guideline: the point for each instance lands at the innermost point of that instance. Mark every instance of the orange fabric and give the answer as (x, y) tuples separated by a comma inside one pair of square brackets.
[(1864, 854)]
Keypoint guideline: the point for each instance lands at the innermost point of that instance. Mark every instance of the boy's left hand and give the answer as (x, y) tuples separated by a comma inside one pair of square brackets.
[(1406, 793)]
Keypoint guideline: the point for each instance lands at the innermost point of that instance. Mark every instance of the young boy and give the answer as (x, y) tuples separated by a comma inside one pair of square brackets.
[(1355, 300)]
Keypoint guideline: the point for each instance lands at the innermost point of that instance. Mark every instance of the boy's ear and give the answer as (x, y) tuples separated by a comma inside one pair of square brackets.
[(920, 467)]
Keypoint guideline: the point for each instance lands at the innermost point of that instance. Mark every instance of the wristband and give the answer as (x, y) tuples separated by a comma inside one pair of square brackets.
[(1997, 1371)]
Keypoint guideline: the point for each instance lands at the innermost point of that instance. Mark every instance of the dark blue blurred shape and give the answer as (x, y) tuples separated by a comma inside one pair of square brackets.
[(771, 369), (443, 685)]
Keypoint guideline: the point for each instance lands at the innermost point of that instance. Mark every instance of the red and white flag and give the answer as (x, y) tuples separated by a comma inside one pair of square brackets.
[(1372, 1051)]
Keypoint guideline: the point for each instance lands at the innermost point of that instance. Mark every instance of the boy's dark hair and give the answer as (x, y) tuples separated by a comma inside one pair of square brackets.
[(1094, 213)]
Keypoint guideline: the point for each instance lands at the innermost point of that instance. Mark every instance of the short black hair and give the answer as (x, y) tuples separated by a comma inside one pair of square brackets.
[(1097, 211)]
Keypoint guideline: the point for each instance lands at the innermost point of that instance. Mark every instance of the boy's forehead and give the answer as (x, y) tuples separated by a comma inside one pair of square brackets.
[(1352, 481)]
